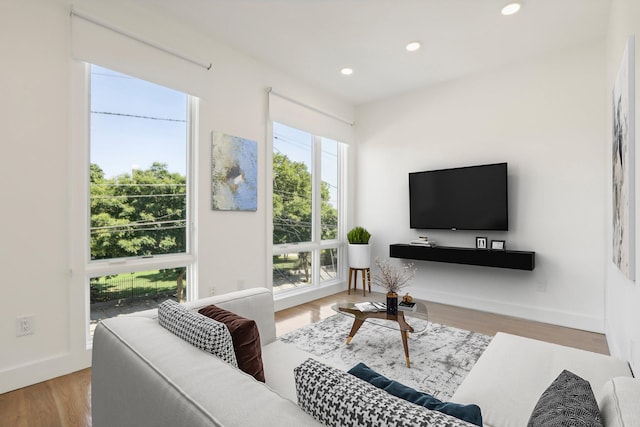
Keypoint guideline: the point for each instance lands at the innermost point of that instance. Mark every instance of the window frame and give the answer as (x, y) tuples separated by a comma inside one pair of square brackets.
[(316, 245), (83, 267)]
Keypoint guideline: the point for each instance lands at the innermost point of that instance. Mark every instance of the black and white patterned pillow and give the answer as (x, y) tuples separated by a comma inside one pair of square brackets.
[(198, 330), (568, 401), (336, 398)]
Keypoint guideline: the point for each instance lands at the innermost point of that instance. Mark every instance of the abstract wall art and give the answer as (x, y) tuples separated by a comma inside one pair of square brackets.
[(234, 173), (623, 168)]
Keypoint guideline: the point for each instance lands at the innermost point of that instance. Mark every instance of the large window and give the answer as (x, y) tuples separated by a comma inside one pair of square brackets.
[(139, 193), (306, 208)]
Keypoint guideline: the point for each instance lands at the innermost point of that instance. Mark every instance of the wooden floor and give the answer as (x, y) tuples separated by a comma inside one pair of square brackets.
[(65, 401)]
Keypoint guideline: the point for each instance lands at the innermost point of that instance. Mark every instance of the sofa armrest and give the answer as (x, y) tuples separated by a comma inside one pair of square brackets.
[(513, 372), (254, 303), (144, 376)]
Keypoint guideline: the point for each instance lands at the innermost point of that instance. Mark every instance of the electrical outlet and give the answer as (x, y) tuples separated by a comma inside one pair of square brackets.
[(212, 291), (24, 326)]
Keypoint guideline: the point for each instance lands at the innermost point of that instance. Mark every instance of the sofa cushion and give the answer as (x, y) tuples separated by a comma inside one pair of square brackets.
[(245, 336), (469, 413), (336, 398), (198, 330), (504, 374), (279, 359), (568, 401), (619, 405)]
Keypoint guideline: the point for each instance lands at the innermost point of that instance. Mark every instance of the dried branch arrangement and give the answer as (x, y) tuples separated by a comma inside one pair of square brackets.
[(393, 278)]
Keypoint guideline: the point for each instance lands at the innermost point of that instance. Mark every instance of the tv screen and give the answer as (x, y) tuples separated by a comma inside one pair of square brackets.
[(467, 198)]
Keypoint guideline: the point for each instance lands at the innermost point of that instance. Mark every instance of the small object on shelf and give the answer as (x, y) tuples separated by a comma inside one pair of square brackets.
[(407, 306), (498, 245), (380, 305), (370, 306), (423, 242), (481, 243)]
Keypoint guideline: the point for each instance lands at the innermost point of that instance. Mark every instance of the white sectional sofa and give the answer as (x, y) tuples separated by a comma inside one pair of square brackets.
[(143, 375), (513, 372)]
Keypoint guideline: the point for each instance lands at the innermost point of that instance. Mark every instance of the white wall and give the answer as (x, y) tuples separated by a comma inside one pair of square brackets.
[(36, 134), (546, 118), (623, 295)]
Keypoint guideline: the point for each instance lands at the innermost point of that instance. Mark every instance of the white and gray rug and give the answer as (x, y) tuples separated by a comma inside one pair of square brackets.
[(440, 357)]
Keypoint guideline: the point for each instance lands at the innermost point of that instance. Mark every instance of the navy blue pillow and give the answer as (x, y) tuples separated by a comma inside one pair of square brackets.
[(468, 413)]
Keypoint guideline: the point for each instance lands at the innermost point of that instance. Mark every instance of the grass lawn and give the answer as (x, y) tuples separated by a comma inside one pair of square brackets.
[(285, 262)]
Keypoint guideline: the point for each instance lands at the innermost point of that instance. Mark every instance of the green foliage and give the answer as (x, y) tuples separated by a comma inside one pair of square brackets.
[(358, 236), (292, 222), (139, 215)]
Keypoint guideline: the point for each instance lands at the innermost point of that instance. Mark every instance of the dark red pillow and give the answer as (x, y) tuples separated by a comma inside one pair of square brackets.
[(245, 337)]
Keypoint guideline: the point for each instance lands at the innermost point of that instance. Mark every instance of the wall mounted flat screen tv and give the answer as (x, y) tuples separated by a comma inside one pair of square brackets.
[(467, 198)]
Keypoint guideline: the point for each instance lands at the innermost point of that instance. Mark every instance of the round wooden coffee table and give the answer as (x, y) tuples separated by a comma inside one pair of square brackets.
[(382, 319)]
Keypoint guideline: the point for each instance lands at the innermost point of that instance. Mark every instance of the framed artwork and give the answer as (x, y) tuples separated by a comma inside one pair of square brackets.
[(234, 173), (498, 245), (481, 243), (622, 164)]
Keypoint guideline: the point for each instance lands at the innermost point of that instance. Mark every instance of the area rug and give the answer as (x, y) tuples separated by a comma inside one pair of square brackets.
[(441, 356)]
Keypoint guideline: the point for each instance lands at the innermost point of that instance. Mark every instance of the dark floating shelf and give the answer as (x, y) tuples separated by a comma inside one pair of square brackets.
[(518, 260)]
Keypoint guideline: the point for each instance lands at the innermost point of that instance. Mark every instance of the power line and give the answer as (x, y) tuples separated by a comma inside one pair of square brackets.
[(136, 185), (302, 144), (142, 196), (109, 113), (138, 230), (136, 226)]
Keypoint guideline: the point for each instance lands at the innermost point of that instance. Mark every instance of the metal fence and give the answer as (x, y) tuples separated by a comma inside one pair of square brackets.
[(110, 288)]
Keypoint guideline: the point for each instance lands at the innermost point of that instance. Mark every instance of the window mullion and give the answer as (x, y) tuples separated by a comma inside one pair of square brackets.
[(316, 185), (191, 236), (342, 207), (316, 208)]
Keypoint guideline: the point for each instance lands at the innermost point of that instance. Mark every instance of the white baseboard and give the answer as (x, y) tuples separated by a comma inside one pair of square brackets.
[(297, 297), (33, 372), (554, 317)]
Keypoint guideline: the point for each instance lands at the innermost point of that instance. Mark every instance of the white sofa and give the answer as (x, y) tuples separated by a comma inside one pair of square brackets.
[(143, 375), (513, 372)]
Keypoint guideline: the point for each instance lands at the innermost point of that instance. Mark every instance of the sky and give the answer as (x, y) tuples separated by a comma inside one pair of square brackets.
[(296, 145), (135, 123)]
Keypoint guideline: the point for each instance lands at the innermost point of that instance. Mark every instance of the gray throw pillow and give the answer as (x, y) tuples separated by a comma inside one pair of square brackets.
[(568, 401), (198, 330)]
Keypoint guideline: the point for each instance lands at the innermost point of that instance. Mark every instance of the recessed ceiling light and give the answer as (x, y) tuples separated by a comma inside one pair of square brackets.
[(346, 71), (413, 46), (511, 8)]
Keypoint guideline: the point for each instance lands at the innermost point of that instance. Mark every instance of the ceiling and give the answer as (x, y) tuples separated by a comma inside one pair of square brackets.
[(313, 40)]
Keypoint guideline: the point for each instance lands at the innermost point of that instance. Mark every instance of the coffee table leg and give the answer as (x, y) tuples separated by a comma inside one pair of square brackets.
[(405, 344), (356, 325)]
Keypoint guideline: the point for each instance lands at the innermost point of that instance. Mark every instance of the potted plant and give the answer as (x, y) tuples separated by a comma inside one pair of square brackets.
[(392, 279), (359, 249)]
